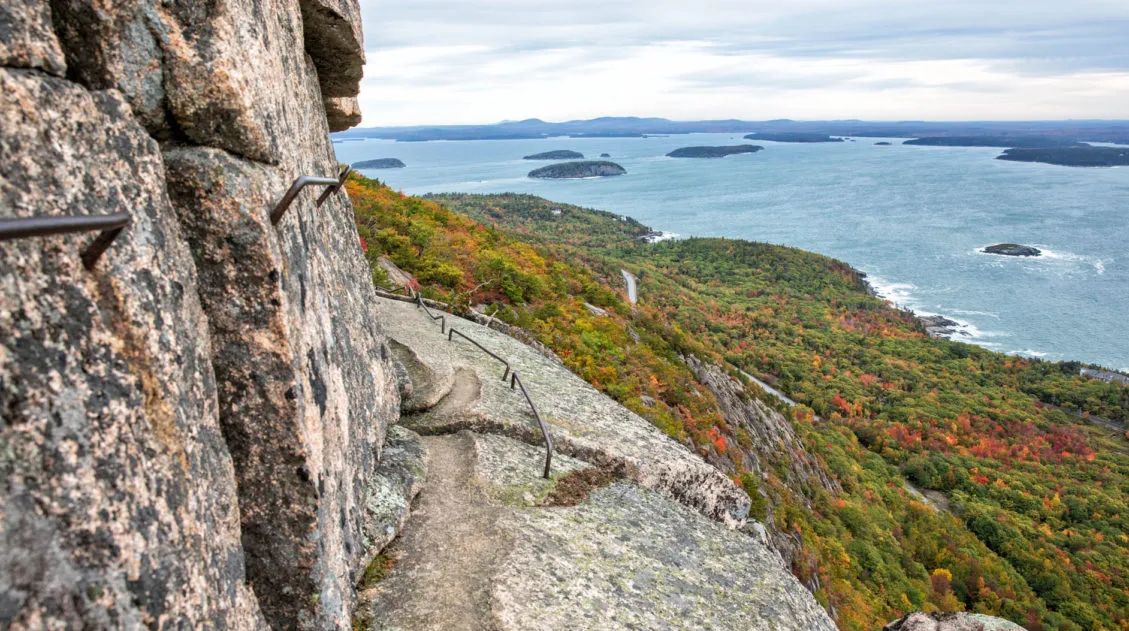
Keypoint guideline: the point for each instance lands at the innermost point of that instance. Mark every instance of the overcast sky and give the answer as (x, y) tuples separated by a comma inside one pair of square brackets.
[(483, 61)]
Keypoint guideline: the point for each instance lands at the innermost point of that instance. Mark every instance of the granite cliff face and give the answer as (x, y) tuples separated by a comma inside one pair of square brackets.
[(191, 429)]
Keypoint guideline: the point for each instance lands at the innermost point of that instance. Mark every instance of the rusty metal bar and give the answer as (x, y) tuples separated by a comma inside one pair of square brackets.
[(407, 292), (452, 331), (544, 430), (302, 182), (343, 175), (110, 226), (442, 319)]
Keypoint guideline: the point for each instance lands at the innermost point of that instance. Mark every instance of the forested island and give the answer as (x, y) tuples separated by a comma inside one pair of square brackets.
[(381, 163), (560, 154), (577, 170), (1011, 442), (713, 152), (1071, 156), (994, 141), (801, 137)]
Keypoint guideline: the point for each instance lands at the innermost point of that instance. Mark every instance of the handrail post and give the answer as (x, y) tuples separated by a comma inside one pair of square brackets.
[(540, 423), (442, 319)]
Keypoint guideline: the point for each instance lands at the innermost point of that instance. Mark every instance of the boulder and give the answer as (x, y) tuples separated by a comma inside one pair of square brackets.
[(27, 38), (959, 621), (1012, 249), (342, 112)]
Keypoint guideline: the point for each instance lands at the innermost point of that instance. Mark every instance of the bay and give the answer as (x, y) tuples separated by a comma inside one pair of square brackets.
[(913, 218)]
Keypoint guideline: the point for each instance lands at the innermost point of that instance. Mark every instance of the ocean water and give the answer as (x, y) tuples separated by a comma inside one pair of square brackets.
[(912, 218)]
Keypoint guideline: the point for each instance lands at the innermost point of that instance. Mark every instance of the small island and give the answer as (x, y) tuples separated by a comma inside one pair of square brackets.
[(562, 154), (995, 141), (713, 152), (882, 144), (605, 155), (382, 163), (1012, 249), (1071, 156), (578, 170), (792, 137)]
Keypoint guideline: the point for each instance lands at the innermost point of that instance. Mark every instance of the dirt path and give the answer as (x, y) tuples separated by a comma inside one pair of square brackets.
[(448, 550)]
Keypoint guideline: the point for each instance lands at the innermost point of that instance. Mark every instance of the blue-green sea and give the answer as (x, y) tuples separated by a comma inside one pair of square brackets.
[(912, 218)]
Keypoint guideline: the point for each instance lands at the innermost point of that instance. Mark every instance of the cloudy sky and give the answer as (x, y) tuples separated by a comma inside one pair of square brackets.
[(483, 61)]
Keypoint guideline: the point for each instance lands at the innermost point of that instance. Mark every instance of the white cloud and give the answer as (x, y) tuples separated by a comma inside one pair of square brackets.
[(441, 61)]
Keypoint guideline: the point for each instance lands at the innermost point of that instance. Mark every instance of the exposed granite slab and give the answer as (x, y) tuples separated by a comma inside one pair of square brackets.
[(479, 552), (584, 423), (628, 558), (511, 471), (399, 478)]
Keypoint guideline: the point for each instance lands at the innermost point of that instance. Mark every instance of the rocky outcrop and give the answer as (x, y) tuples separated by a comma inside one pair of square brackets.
[(939, 326), (1012, 249), (959, 621), (199, 426), (342, 112), (768, 444)]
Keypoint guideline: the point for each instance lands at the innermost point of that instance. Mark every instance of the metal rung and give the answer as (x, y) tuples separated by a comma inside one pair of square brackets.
[(110, 225), (302, 182), (343, 175)]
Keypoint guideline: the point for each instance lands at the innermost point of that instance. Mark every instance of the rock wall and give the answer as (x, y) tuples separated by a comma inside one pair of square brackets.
[(190, 430)]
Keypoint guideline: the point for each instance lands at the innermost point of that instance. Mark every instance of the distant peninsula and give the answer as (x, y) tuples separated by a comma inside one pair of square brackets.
[(803, 137), (1071, 156), (576, 170), (382, 163), (995, 141), (634, 127), (561, 154), (1012, 249), (713, 152)]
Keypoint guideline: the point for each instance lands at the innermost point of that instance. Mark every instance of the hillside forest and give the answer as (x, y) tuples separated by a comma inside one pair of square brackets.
[(1026, 461)]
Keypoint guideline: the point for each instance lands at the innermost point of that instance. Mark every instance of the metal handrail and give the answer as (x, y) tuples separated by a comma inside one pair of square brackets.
[(300, 183), (343, 174), (442, 319), (452, 332), (110, 225), (544, 430), (407, 292), (515, 381)]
